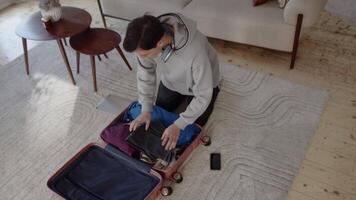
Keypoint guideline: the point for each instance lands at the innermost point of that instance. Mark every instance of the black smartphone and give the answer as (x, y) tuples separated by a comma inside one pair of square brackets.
[(215, 161)]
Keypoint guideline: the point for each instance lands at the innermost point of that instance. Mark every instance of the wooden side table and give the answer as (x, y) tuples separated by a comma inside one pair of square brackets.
[(96, 41), (72, 22)]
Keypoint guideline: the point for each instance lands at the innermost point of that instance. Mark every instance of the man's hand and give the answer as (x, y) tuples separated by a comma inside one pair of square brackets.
[(143, 118), (170, 137)]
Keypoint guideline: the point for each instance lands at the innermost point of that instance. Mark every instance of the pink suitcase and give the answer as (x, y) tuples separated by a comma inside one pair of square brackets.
[(108, 152)]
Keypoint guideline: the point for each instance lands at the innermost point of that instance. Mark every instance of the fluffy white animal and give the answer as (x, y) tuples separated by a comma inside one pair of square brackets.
[(50, 10)]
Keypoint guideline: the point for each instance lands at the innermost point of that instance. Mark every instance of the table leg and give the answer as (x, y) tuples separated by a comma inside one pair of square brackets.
[(92, 62), (99, 57), (65, 41), (123, 57), (65, 59), (78, 61), (106, 56), (25, 53)]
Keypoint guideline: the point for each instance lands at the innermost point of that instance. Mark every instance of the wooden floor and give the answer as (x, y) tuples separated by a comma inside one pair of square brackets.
[(327, 59)]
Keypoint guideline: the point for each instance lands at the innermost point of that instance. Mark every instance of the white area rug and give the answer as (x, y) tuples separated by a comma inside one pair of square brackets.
[(261, 125)]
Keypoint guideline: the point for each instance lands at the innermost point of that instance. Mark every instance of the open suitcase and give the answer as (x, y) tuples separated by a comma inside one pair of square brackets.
[(105, 171)]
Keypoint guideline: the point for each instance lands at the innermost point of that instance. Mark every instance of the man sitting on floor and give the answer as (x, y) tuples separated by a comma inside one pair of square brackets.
[(189, 69)]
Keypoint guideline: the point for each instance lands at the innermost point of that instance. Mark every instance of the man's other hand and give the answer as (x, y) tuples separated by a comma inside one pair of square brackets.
[(143, 118), (170, 137)]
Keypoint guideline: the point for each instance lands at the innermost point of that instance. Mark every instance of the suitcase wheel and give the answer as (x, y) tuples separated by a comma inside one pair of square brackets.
[(177, 177), (205, 140), (166, 191)]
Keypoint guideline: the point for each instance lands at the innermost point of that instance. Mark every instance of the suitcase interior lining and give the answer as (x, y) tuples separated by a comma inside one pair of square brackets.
[(100, 174)]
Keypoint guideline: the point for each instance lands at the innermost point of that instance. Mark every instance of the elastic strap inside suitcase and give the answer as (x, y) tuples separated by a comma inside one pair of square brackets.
[(105, 174)]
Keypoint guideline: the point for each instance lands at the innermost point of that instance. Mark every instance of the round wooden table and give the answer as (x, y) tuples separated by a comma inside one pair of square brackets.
[(73, 21), (96, 41)]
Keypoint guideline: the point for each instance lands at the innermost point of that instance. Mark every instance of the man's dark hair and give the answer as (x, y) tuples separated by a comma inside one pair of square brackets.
[(143, 32)]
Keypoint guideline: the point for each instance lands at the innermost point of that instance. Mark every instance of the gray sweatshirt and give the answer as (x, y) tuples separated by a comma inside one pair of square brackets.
[(191, 70)]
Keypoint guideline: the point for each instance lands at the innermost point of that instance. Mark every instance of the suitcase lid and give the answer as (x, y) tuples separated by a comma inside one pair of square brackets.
[(96, 173)]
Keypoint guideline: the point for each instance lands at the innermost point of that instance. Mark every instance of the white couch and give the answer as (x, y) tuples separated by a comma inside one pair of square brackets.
[(265, 25)]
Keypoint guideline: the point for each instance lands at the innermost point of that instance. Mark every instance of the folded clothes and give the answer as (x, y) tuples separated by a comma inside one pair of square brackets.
[(116, 135), (166, 118), (149, 142)]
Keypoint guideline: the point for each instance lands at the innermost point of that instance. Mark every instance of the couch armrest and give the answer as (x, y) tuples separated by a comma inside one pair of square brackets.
[(309, 8)]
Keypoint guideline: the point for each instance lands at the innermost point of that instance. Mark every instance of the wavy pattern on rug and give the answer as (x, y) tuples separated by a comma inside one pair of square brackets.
[(261, 125)]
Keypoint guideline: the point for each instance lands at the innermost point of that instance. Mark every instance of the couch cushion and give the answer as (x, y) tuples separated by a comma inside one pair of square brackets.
[(240, 21), (130, 9)]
